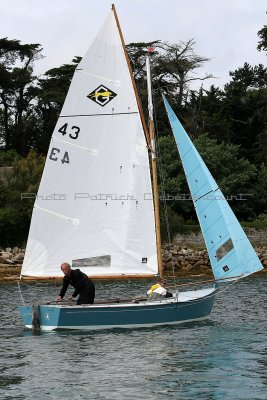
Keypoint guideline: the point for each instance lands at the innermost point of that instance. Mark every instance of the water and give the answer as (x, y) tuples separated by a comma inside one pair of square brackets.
[(222, 358)]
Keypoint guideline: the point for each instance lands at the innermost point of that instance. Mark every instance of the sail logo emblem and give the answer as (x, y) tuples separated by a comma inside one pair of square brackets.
[(102, 95)]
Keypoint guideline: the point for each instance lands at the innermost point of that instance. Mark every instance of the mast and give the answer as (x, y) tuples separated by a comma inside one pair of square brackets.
[(132, 78), (150, 137), (154, 166)]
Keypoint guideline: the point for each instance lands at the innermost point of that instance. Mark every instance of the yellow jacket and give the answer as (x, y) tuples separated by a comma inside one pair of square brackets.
[(154, 287)]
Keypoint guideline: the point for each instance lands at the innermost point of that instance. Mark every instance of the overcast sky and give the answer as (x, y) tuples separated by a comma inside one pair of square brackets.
[(224, 30)]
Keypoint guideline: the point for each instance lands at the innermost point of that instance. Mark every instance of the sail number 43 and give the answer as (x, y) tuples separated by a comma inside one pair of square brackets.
[(73, 135)]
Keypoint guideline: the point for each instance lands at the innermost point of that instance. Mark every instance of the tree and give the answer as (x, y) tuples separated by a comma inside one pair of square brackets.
[(246, 106), (247, 77), (15, 207), (235, 176), (8, 157), (137, 53), (204, 113), (260, 191), (262, 44), (17, 92), (52, 91), (175, 66)]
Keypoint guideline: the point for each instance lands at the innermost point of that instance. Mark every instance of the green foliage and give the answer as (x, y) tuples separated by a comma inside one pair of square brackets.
[(235, 176), (8, 157), (259, 223), (262, 45), (204, 113), (228, 127), (17, 93), (223, 160), (173, 188), (236, 115), (174, 66), (27, 171), (51, 95), (13, 226), (170, 224), (53, 89), (247, 77), (15, 209), (137, 53), (260, 191)]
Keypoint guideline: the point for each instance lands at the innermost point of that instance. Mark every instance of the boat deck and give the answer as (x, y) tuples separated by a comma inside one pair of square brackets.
[(120, 301)]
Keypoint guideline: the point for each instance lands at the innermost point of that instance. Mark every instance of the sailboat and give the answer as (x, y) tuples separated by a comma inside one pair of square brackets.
[(94, 207)]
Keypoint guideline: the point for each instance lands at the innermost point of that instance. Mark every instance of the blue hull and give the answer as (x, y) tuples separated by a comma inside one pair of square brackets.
[(128, 315)]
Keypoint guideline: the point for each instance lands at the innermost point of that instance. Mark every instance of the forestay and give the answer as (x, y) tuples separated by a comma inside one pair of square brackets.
[(231, 254), (94, 207)]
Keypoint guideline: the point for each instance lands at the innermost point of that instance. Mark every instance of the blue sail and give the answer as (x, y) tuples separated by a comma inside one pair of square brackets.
[(231, 253)]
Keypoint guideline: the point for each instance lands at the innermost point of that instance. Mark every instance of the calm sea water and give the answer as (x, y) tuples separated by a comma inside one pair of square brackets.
[(224, 357)]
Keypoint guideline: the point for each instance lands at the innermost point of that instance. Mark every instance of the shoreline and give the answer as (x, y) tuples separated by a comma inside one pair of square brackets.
[(180, 260), (13, 278)]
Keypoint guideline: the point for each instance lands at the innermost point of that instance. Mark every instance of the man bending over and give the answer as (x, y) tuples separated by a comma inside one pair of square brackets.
[(81, 283)]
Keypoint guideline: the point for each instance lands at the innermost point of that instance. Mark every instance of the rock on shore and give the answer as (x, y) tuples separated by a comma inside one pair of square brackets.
[(177, 259), (187, 261), (10, 262)]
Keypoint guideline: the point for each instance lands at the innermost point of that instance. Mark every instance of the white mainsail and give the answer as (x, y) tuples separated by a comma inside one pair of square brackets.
[(94, 207)]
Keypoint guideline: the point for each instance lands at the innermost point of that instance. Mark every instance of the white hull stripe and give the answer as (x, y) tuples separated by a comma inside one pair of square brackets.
[(129, 326)]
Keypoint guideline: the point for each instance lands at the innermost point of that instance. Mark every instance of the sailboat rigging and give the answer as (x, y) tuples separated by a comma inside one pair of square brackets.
[(106, 225), (154, 166)]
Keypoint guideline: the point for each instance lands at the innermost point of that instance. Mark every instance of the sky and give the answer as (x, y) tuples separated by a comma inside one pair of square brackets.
[(225, 31)]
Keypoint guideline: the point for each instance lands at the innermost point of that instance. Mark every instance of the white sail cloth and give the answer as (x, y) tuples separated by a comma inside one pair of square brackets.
[(94, 207)]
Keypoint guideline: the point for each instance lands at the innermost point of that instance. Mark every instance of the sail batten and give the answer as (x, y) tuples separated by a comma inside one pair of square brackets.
[(229, 249), (53, 213), (75, 145)]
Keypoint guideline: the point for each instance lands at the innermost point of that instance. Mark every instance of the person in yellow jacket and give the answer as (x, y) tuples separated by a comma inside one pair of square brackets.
[(158, 290)]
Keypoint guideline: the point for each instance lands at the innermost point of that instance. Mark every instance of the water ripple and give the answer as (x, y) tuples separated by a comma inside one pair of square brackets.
[(220, 358)]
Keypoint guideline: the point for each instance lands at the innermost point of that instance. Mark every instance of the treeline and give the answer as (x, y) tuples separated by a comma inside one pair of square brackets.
[(228, 126)]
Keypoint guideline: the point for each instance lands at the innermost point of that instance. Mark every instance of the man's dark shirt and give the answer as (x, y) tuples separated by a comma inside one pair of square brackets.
[(78, 280)]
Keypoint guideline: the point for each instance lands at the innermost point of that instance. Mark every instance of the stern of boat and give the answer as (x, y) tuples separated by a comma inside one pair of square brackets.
[(44, 318), (26, 313)]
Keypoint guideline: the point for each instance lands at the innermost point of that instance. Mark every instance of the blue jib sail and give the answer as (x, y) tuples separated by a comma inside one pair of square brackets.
[(230, 252)]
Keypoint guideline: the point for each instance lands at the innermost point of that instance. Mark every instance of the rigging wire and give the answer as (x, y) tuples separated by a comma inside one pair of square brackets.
[(162, 182), (20, 292), (229, 285)]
